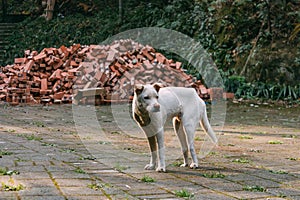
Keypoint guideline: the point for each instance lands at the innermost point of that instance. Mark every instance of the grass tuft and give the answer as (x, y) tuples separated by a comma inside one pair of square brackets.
[(275, 142), (254, 188), (148, 179), (183, 193)]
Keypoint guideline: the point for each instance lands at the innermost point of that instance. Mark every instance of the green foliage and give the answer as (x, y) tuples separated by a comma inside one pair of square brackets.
[(246, 137), (120, 167), (228, 30), (213, 175), (33, 137), (254, 188), (183, 193), (275, 142), (5, 153), (5, 171), (278, 172), (241, 160), (39, 124), (99, 186), (7, 187), (148, 179), (11, 186), (257, 89), (79, 170)]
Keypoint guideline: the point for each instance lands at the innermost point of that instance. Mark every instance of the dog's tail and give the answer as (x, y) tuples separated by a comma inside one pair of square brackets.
[(207, 128)]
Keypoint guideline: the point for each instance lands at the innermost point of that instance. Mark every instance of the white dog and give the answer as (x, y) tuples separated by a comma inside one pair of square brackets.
[(152, 105)]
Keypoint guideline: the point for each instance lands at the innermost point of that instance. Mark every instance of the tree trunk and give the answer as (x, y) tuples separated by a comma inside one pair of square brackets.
[(50, 9), (120, 11)]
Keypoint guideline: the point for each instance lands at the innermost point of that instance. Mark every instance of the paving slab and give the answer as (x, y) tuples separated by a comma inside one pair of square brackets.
[(54, 161)]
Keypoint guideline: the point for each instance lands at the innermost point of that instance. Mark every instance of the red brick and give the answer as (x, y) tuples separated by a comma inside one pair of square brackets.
[(160, 58), (20, 60), (28, 66), (44, 84), (228, 95), (178, 65), (148, 65), (40, 56), (58, 95), (147, 54)]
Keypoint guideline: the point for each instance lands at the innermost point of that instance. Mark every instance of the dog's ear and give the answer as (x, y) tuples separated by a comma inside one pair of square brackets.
[(157, 86), (138, 89)]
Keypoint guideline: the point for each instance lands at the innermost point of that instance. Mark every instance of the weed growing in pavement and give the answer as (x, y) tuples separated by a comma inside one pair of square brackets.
[(213, 175), (120, 168), (30, 137), (11, 186), (212, 153), (241, 160), (183, 193), (289, 136), (5, 171), (98, 186), (148, 179), (7, 187), (254, 188), (177, 163), (104, 142), (115, 133), (88, 158), (198, 138), (79, 170), (49, 144), (68, 150), (246, 137), (275, 142), (281, 195), (292, 158), (278, 172), (38, 124), (5, 153)]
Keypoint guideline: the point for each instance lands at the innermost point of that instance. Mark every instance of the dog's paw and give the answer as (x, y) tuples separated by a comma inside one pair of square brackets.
[(161, 169), (194, 166), (149, 167), (184, 165)]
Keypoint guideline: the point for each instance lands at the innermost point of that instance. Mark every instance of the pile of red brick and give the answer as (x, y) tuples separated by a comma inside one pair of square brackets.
[(59, 74), (41, 77), (117, 67)]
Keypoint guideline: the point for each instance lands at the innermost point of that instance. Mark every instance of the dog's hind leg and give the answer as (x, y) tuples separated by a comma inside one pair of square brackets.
[(190, 129), (178, 128)]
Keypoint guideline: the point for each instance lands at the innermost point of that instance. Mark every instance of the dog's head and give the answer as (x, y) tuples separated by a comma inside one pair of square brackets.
[(147, 96)]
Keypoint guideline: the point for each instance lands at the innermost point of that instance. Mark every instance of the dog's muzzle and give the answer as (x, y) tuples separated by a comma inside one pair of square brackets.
[(156, 107)]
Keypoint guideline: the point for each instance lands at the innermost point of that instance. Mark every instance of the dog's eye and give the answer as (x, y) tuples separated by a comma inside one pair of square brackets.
[(156, 97), (146, 97)]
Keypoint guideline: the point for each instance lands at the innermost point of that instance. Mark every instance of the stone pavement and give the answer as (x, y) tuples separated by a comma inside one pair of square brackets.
[(42, 157)]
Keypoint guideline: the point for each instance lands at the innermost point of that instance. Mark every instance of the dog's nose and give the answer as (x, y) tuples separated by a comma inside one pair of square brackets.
[(156, 107)]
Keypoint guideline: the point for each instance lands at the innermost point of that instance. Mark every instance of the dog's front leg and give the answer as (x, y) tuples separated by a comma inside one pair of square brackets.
[(161, 152), (153, 149)]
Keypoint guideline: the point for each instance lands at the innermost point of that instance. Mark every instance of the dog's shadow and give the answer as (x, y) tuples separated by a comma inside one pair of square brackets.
[(201, 171)]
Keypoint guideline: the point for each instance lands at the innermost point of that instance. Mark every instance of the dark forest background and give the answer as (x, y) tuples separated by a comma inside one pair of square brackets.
[(255, 44)]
